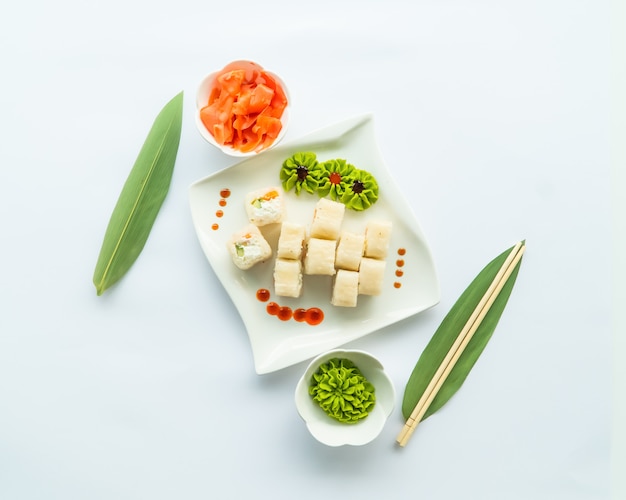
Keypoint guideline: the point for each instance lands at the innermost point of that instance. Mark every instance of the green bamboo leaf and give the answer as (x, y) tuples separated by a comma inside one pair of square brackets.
[(441, 342), (141, 198)]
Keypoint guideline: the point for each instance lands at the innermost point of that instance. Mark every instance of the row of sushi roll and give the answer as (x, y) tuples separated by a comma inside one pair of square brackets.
[(356, 261)]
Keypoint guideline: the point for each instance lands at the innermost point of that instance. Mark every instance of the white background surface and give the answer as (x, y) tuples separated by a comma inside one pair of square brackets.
[(495, 117)]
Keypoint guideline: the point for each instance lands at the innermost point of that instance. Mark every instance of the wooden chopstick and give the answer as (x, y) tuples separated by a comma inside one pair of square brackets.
[(460, 343)]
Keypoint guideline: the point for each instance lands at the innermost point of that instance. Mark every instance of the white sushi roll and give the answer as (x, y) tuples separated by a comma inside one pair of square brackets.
[(288, 277), (371, 276), (291, 241), (349, 251), (248, 247), (377, 237), (320, 257), (345, 288), (265, 206), (327, 219)]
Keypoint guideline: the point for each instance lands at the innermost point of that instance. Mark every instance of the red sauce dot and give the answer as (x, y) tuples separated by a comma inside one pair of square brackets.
[(401, 251), (219, 213), (399, 263), (314, 316), (299, 314), (285, 313), (263, 294), (273, 308), (222, 202), (397, 285), (334, 178), (225, 193), (399, 272), (215, 227)]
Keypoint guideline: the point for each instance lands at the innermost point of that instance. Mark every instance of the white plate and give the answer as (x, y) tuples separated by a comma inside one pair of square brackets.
[(277, 344)]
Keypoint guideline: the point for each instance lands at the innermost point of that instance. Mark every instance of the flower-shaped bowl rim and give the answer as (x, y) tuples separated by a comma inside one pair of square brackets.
[(331, 432)]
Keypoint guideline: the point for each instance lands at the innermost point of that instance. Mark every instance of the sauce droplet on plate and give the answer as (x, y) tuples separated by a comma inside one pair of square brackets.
[(299, 314), (314, 316), (285, 313)]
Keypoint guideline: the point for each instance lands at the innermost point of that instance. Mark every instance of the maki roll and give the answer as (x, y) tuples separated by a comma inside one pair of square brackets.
[(371, 275), (327, 219), (349, 251), (248, 247), (377, 236), (320, 257), (291, 241), (288, 277), (345, 288), (265, 206)]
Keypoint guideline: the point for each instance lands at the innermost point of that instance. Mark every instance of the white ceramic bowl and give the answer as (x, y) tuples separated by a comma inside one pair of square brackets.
[(202, 98), (331, 432)]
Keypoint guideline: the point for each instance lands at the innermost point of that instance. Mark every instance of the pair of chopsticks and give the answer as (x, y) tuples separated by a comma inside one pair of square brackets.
[(460, 343)]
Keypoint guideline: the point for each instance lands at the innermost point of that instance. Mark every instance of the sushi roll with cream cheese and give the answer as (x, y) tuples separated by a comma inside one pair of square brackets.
[(248, 247), (265, 206)]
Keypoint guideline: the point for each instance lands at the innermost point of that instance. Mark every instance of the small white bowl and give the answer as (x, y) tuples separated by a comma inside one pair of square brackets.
[(202, 98), (331, 432)]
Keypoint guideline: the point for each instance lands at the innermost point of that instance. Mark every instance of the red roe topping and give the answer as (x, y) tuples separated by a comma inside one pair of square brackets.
[(263, 294)]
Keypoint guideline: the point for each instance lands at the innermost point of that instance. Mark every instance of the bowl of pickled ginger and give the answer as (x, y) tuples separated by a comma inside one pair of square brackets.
[(242, 109)]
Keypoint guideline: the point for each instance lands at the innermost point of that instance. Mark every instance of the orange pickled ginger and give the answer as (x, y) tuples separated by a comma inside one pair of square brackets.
[(245, 107)]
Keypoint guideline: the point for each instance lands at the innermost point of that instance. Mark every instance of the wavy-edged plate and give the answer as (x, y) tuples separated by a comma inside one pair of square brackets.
[(277, 344)]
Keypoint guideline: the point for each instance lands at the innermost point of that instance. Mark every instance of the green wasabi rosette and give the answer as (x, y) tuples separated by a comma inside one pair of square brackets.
[(342, 391), (362, 192), (300, 171), (335, 178)]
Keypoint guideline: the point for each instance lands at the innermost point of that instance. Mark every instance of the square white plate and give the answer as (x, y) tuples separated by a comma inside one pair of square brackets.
[(275, 343)]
